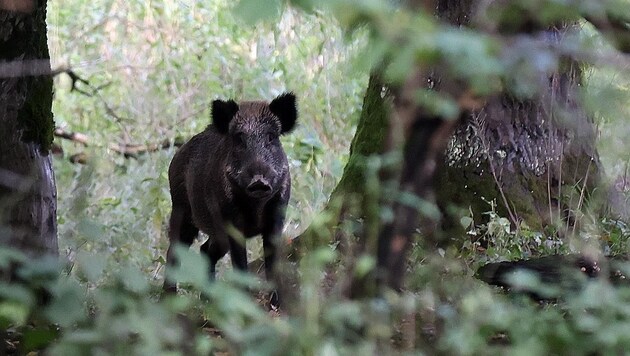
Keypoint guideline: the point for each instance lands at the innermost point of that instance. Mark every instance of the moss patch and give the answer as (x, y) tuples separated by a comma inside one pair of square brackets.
[(367, 141)]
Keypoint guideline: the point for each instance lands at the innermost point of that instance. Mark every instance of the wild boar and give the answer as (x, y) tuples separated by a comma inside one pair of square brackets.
[(233, 176)]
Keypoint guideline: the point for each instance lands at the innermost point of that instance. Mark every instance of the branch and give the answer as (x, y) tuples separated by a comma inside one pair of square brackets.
[(41, 67), (72, 136), (133, 150), (127, 150)]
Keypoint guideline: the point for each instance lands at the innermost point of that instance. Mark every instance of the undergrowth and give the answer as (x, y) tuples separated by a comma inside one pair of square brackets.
[(153, 68)]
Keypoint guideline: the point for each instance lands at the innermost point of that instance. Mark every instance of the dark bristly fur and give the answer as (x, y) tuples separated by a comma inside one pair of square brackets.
[(234, 173)]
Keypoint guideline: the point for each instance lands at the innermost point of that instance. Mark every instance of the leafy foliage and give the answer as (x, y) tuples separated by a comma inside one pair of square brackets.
[(158, 65)]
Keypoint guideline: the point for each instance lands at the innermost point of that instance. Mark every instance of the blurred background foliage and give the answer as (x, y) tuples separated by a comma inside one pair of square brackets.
[(157, 66), (153, 67)]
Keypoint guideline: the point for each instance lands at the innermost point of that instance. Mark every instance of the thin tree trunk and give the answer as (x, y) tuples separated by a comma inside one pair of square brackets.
[(28, 199)]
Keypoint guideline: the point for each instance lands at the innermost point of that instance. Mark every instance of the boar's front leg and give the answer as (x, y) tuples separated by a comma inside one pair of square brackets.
[(271, 238), (215, 248), (269, 248), (238, 253), (182, 230)]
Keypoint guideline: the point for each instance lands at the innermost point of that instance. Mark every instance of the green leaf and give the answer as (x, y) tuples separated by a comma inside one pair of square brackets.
[(41, 271), (92, 265), (364, 265), (17, 293), (38, 338), (252, 11), (9, 255), (84, 337), (110, 201), (466, 221), (68, 305), (193, 267), (14, 313), (133, 280), (90, 229)]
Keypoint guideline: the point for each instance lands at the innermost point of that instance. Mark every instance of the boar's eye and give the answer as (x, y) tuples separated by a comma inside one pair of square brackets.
[(271, 138), (239, 138)]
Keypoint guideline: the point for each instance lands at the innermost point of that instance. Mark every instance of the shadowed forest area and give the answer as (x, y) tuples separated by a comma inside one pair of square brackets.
[(459, 177)]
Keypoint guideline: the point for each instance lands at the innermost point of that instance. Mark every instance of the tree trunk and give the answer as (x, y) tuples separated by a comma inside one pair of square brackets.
[(538, 154), (352, 198), (536, 158), (28, 198)]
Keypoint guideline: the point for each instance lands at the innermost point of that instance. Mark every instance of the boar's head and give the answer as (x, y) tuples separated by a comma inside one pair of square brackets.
[(256, 163)]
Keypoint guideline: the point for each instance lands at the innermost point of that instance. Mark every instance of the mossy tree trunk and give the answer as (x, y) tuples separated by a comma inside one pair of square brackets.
[(28, 200), (531, 158), (353, 199), (525, 154)]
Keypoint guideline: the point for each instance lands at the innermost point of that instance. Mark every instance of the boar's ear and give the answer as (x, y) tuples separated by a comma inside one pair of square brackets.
[(222, 114), (284, 107)]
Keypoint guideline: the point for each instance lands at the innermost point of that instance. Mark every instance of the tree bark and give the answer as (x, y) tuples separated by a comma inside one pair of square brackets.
[(535, 156), (28, 198), (351, 199)]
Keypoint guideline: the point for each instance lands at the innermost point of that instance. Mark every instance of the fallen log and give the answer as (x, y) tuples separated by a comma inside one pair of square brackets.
[(563, 273)]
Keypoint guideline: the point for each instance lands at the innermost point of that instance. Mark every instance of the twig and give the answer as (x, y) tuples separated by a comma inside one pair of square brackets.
[(582, 193), (75, 78), (479, 125), (72, 136), (41, 67)]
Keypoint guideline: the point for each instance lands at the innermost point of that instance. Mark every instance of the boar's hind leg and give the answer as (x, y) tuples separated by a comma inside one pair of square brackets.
[(182, 230)]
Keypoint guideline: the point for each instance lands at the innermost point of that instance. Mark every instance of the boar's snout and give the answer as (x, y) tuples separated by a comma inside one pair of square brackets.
[(259, 187)]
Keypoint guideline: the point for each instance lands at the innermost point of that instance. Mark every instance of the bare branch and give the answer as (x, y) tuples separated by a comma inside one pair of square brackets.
[(133, 150), (128, 150), (72, 136)]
